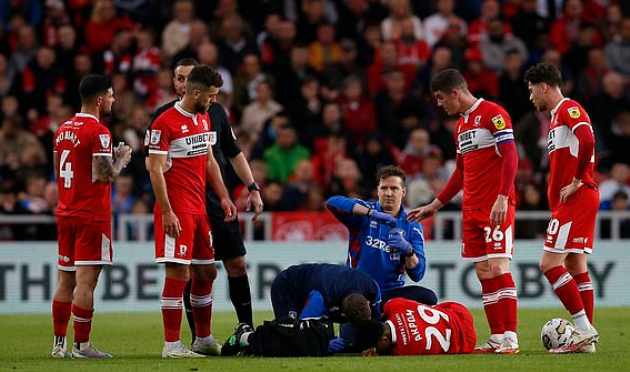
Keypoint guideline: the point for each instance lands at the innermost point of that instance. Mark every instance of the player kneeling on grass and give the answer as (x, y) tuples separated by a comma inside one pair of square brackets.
[(413, 328)]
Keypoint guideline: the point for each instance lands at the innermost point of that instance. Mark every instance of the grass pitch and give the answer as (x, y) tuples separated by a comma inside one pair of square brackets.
[(135, 340)]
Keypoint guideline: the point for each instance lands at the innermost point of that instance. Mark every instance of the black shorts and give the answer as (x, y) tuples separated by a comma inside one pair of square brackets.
[(292, 338), (226, 238)]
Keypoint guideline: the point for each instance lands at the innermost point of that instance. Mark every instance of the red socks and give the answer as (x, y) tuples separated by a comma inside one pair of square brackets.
[(490, 301), (508, 303), (565, 287), (82, 323), (172, 308), (61, 316), (585, 287), (201, 302)]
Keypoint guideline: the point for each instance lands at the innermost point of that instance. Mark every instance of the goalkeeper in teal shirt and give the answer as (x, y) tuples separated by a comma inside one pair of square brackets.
[(383, 243)]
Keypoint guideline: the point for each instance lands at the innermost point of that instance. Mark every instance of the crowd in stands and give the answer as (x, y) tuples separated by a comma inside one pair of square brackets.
[(320, 93)]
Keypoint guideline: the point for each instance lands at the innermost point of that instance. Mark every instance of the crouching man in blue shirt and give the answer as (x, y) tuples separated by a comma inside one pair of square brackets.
[(383, 243)]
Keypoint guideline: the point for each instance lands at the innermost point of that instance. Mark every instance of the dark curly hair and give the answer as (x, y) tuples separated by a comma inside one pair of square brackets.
[(203, 77), (544, 73)]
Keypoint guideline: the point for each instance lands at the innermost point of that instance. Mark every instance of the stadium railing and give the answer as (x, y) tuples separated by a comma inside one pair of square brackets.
[(446, 226)]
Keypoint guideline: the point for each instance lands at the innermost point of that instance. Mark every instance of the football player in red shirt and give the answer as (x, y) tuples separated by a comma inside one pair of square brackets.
[(180, 159), (412, 328), (84, 167), (573, 200), (486, 169)]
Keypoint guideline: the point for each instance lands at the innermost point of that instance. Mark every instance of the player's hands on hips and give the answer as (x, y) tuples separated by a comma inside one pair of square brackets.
[(229, 209), (383, 218), (336, 345), (171, 225), (255, 200), (398, 241), (424, 211), (498, 214), (569, 189)]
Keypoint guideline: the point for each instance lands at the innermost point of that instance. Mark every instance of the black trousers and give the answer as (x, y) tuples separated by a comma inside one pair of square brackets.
[(292, 338)]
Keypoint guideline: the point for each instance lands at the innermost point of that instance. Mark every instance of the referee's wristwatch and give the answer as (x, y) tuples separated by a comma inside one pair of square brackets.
[(254, 186)]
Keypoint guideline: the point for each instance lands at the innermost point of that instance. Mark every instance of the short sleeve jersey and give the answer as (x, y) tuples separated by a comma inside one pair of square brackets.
[(478, 133), (184, 138), (81, 194), (563, 146), (419, 329)]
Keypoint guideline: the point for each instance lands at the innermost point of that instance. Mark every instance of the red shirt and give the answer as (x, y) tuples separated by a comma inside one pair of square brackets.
[(478, 132), (419, 329), (184, 138), (563, 145), (81, 195)]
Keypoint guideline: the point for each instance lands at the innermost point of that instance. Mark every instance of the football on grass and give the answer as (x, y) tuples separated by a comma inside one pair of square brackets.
[(556, 333)]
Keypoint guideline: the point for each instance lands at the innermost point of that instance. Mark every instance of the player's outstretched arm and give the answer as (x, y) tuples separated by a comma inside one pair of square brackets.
[(170, 222), (244, 172), (213, 174)]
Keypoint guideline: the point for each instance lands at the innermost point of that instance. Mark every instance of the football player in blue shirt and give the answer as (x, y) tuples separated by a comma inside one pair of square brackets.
[(383, 243)]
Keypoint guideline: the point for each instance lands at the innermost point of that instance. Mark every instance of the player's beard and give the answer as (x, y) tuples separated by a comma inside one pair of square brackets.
[(200, 108)]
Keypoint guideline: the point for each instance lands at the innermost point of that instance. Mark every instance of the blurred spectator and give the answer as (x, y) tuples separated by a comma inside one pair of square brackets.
[(297, 188), (176, 34), (284, 155), (400, 11), (411, 50), (554, 57), (313, 15), (249, 76), (25, 49), (306, 108), (66, 48), (619, 203), (32, 198), (256, 113), (431, 181), (618, 181), (233, 45), (618, 50), (314, 200), (393, 105), (612, 99), (498, 44), (590, 79), (512, 91), (440, 60), (325, 50), (528, 25), (272, 196), (118, 58), (411, 158), (41, 78), (164, 93), (145, 65), (122, 198), (276, 50), (385, 62), (198, 36), (531, 131), (436, 24), (358, 110), (346, 179), (576, 58), (9, 205), (99, 31), (328, 152), (478, 29), (566, 28), (481, 81), (54, 18), (374, 155), (14, 142), (531, 200), (334, 74), (620, 139), (7, 76), (290, 79), (611, 24)]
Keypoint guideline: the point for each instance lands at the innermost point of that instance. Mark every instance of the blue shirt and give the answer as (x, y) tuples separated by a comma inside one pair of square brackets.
[(368, 250), (334, 283)]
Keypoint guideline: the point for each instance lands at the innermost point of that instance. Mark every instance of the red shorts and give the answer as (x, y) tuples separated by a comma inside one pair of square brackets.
[(83, 242), (461, 320), (572, 224), (194, 244), (480, 241)]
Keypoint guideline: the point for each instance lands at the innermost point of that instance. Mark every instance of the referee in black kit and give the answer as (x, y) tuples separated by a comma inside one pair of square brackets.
[(227, 239)]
